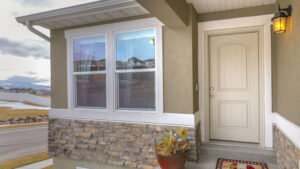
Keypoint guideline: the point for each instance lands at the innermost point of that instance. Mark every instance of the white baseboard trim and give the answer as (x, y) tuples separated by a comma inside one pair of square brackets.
[(170, 119), (290, 130)]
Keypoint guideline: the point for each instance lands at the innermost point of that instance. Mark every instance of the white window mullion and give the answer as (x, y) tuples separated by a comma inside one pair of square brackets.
[(135, 70), (89, 73), (71, 77), (110, 73), (159, 70)]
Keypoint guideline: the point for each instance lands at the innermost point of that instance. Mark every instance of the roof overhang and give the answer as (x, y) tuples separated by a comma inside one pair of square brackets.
[(93, 12), (172, 13)]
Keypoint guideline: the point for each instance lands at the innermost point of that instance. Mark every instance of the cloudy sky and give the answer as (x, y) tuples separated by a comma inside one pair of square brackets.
[(25, 57)]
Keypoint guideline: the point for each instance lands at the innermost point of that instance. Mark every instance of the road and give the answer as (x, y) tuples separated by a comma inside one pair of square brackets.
[(20, 142)]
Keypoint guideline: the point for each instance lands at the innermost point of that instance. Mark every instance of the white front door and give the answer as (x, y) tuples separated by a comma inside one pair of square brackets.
[(234, 87)]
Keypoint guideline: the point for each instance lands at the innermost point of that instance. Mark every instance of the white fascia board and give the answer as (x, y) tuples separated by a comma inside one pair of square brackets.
[(63, 12)]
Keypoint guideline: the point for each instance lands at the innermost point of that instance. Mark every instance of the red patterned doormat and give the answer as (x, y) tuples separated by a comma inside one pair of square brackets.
[(223, 163)]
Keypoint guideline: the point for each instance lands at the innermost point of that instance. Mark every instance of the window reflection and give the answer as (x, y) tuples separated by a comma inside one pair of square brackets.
[(136, 90), (89, 54), (135, 50), (91, 90)]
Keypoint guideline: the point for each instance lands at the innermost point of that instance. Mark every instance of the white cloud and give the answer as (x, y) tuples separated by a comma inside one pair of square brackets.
[(18, 66), (21, 42), (36, 3), (24, 49)]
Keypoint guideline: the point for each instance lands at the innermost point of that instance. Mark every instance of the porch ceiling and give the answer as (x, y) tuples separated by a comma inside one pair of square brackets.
[(206, 6), (105, 10), (98, 11)]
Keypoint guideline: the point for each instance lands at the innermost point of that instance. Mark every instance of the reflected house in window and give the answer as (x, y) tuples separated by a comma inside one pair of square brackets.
[(93, 65), (149, 63), (135, 63), (99, 63)]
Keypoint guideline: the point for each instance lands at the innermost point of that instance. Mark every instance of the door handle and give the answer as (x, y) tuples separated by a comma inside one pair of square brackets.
[(211, 91)]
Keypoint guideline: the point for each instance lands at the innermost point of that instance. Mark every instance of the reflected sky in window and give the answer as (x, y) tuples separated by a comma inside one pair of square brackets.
[(91, 48), (135, 50), (89, 54)]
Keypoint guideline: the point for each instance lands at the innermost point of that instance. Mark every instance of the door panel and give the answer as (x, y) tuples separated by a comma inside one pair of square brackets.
[(232, 67), (234, 99)]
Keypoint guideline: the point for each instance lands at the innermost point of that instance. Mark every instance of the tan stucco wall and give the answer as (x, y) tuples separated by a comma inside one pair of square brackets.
[(59, 97), (173, 13), (179, 69), (286, 66), (181, 8), (180, 53), (62, 163)]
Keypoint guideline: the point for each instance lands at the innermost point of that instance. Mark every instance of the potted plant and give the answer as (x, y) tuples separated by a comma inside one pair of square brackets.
[(172, 149)]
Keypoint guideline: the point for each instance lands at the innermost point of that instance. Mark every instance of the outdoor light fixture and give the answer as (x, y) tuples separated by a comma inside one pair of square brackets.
[(152, 41), (280, 19)]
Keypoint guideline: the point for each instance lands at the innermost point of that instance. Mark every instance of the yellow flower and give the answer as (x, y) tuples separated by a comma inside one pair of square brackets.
[(183, 133)]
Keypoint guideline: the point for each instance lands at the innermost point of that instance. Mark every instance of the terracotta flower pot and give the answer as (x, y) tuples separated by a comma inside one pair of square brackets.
[(171, 162)]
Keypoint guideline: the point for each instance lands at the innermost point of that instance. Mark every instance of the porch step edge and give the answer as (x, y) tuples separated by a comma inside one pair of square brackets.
[(239, 153)]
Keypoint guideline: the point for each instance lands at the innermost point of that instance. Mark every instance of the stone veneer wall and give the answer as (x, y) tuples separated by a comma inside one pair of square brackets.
[(123, 144), (288, 155), (24, 119)]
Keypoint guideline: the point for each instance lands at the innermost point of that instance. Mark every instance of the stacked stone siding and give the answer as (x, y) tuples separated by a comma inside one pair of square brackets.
[(123, 144), (24, 119), (288, 155)]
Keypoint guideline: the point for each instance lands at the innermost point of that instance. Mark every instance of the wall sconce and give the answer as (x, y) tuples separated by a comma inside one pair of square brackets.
[(280, 19), (152, 41)]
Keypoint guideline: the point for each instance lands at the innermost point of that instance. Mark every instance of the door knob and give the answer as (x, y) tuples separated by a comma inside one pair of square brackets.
[(211, 92)]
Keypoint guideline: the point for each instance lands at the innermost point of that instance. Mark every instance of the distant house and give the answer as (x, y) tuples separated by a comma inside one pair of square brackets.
[(149, 63), (217, 69), (100, 63), (133, 62)]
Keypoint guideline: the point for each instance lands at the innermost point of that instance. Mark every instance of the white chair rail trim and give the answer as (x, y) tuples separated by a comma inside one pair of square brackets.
[(170, 119)]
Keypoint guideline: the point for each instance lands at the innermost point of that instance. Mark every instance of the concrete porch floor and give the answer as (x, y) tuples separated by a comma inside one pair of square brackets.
[(209, 153), (209, 162)]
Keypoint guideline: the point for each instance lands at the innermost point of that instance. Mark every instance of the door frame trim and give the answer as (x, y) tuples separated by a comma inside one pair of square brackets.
[(260, 24)]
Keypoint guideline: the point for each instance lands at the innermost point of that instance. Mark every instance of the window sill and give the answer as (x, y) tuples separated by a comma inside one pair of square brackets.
[(172, 119), (100, 110)]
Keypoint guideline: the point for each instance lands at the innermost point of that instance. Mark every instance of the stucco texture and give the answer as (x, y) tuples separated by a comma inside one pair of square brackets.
[(286, 66), (59, 96), (180, 70)]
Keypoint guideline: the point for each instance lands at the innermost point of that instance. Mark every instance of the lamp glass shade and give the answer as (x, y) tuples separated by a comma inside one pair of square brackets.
[(279, 24)]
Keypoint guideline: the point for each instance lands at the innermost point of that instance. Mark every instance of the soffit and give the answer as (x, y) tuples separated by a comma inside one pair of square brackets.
[(93, 12), (206, 6)]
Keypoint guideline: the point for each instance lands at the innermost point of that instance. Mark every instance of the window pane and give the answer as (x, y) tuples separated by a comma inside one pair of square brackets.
[(89, 54), (91, 90), (135, 50), (136, 90)]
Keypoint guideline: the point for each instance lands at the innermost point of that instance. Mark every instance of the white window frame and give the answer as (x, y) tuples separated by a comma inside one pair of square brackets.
[(109, 30)]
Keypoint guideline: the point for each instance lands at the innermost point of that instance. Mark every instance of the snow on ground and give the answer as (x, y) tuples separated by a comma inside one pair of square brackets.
[(38, 165), (20, 105)]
